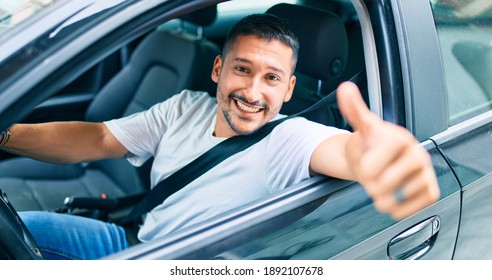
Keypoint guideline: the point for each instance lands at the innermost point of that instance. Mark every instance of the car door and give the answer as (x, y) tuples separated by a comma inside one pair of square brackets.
[(325, 218), (465, 35)]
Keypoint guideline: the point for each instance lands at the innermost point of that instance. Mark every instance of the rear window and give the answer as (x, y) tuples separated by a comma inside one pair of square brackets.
[(464, 28)]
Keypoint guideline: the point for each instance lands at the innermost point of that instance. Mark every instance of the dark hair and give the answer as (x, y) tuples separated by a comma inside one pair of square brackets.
[(265, 26)]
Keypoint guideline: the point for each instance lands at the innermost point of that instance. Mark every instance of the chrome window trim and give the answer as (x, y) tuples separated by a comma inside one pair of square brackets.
[(462, 128)]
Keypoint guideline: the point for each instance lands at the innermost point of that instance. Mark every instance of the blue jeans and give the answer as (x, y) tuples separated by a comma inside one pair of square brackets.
[(63, 236)]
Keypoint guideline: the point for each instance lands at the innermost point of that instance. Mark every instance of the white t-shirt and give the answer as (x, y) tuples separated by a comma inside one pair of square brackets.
[(177, 131)]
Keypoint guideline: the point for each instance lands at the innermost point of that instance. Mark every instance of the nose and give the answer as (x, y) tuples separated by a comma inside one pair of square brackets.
[(253, 90)]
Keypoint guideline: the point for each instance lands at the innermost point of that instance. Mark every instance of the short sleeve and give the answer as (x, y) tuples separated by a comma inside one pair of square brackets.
[(289, 150), (142, 132)]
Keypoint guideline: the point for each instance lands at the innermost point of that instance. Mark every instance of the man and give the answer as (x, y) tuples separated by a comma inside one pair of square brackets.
[(254, 78)]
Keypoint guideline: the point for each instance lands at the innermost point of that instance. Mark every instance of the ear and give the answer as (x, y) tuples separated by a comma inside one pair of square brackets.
[(290, 90), (216, 68)]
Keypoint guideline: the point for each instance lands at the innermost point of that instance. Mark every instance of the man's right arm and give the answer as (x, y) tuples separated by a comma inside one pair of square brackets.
[(64, 142)]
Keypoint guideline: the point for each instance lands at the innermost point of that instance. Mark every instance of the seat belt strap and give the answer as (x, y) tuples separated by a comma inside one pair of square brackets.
[(216, 155)]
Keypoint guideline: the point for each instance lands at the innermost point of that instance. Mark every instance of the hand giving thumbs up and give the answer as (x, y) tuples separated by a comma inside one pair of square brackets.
[(386, 159)]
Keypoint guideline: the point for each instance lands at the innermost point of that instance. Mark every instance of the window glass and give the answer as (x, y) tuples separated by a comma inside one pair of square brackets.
[(464, 28), (13, 13)]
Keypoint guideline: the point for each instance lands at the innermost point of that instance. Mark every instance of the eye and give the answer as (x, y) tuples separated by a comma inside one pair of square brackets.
[(273, 78), (241, 69)]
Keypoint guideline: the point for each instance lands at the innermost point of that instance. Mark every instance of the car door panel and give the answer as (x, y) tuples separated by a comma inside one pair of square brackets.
[(347, 226), (447, 210)]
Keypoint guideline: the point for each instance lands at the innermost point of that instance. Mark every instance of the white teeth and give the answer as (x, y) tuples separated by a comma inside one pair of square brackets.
[(246, 108)]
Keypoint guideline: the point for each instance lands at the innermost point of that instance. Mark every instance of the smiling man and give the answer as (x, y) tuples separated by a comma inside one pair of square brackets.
[(254, 77)]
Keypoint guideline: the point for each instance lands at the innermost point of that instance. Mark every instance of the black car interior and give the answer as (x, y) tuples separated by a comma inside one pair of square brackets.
[(162, 64)]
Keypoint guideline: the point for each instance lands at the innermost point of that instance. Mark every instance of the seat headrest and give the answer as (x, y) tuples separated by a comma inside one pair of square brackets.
[(202, 17), (323, 43)]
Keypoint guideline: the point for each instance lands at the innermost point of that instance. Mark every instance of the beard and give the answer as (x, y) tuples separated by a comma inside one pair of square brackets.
[(234, 128), (239, 124)]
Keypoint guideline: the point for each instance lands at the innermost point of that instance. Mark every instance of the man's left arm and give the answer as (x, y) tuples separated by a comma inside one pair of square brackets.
[(384, 158)]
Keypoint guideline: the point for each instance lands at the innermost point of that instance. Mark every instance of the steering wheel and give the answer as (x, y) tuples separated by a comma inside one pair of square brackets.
[(16, 242)]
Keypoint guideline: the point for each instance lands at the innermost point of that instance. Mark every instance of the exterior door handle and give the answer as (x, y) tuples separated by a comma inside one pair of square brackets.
[(415, 242)]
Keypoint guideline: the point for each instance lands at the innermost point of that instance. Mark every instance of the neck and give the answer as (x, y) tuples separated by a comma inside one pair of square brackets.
[(222, 128)]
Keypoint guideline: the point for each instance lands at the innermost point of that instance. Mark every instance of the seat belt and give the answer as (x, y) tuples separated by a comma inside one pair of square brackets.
[(216, 155)]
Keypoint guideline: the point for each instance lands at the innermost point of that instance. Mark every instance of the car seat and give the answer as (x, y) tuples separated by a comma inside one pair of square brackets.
[(328, 55), (322, 56), (163, 64)]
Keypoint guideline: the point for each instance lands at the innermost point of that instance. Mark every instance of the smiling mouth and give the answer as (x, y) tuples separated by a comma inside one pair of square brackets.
[(248, 108)]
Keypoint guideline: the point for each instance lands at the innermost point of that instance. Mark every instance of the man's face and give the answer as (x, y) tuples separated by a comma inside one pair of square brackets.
[(253, 81)]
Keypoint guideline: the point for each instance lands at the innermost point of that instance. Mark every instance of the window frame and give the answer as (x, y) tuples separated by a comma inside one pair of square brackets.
[(426, 107)]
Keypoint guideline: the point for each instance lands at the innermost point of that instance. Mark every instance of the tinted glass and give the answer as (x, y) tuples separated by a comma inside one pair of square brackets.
[(464, 28)]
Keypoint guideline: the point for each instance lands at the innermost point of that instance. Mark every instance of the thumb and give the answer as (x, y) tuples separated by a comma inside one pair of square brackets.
[(354, 109)]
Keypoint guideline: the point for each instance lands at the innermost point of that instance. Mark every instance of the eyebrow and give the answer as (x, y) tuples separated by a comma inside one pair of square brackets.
[(244, 60)]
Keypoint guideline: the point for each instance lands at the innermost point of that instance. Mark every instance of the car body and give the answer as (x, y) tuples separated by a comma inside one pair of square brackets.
[(426, 63)]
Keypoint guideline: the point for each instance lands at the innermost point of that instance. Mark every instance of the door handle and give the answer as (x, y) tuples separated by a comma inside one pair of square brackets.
[(415, 242)]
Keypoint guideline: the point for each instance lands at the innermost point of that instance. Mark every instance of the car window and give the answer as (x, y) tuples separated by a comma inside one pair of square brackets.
[(13, 13), (464, 29)]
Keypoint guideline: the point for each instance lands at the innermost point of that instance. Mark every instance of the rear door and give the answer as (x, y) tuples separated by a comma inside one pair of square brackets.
[(465, 34)]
